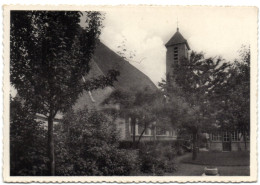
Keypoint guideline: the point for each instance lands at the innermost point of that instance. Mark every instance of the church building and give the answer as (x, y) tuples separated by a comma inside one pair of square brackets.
[(132, 79), (177, 49)]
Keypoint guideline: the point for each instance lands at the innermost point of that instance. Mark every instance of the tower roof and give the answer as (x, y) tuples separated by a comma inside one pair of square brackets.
[(177, 38)]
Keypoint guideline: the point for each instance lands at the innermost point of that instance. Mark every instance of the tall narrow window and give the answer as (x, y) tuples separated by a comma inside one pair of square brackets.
[(235, 136), (226, 137), (175, 53)]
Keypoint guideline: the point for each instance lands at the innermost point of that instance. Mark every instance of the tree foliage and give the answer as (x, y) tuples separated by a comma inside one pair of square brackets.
[(210, 93), (50, 55), (232, 97), (192, 84), (142, 107), (88, 145), (28, 154), (189, 91)]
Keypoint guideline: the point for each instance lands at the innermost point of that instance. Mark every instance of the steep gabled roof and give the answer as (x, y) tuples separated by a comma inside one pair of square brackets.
[(177, 38), (130, 78)]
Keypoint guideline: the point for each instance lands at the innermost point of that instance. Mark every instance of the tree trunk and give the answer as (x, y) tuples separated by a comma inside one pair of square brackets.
[(194, 141), (139, 139), (51, 164)]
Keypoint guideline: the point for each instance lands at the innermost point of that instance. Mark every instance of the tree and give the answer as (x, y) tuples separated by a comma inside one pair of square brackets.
[(142, 107), (232, 97), (189, 91), (151, 107), (27, 146), (50, 54)]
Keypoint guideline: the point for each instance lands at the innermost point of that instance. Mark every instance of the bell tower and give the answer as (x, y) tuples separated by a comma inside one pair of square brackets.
[(177, 49)]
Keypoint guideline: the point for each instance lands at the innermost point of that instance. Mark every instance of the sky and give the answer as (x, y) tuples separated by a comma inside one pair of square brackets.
[(143, 32)]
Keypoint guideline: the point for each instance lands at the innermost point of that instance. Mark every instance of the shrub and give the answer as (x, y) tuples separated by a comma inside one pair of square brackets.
[(171, 166), (118, 162), (125, 144), (180, 151), (91, 146), (27, 142), (157, 159)]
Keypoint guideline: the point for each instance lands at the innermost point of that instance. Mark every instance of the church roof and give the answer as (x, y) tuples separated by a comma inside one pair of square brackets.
[(177, 38), (130, 78)]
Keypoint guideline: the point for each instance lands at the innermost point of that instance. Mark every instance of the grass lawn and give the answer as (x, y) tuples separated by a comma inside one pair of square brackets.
[(228, 164), (240, 158), (198, 170)]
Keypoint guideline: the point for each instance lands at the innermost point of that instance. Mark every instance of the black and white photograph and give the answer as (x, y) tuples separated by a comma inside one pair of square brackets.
[(131, 91)]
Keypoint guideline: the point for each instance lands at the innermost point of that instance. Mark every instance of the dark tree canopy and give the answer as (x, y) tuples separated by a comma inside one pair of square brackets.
[(27, 142), (143, 107), (191, 87), (190, 91), (232, 97), (50, 55)]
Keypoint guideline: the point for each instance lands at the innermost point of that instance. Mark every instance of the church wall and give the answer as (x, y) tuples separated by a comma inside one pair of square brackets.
[(240, 146), (235, 146), (216, 146), (121, 127), (127, 129), (170, 62), (183, 51)]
